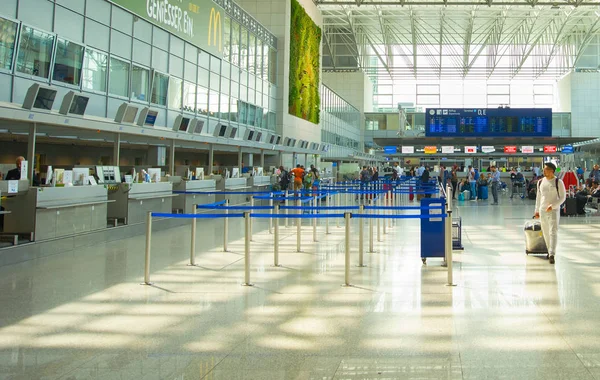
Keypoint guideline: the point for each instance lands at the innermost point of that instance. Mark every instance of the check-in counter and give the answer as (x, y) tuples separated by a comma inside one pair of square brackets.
[(54, 212), (133, 201), (233, 185), (260, 183), (185, 203)]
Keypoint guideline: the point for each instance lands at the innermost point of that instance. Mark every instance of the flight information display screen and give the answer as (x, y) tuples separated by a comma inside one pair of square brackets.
[(486, 122)]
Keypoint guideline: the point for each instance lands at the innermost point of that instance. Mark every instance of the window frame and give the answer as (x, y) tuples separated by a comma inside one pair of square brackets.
[(105, 92), (18, 51), (65, 84), (166, 105), (150, 79), (118, 58), (13, 62)]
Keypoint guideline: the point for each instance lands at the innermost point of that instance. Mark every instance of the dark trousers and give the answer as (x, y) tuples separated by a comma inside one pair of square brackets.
[(494, 186)]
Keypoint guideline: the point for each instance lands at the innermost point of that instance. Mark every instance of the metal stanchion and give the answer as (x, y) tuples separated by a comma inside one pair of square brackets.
[(193, 242), (448, 232), (298, 227), (276, 239), (378, 203), (328, 197), (390, 212), (225, 226), (251, 205), (339, 202), (384, 221), (346, 202), (247, 249), (286, 210), (361, 233), (371, 232), (314, 220), (271, 212), (148, 248), (347, 244)]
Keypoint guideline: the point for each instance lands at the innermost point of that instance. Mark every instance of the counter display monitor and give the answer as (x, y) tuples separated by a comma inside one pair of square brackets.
[(488, 122)]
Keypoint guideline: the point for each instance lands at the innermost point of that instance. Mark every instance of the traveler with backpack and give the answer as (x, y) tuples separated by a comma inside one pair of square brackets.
[(284, 178), (472, 176), (551, 195)]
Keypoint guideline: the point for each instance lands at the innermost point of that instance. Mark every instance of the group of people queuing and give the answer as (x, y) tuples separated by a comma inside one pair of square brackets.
[(473, 182), (299, 178)]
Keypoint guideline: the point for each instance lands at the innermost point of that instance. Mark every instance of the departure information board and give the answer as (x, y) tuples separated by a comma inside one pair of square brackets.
[(488, 122)]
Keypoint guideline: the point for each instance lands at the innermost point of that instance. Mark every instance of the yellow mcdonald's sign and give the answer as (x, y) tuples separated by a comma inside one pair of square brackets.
[(214, 24)]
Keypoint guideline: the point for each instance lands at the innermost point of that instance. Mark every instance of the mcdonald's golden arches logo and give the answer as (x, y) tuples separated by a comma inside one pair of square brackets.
[(214, 25)]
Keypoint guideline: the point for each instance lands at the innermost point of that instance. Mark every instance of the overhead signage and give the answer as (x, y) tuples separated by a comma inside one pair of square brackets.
[(510, 149), (488, 149), (199, 22), (495, 122), (567, 149), (470, 149), (430, 149), (549, 148), (447, 149), (527, 149), (390, 150), (408, 149)]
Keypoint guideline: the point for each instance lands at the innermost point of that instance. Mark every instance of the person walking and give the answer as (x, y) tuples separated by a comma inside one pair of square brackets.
[(550, 195), (495, 184)]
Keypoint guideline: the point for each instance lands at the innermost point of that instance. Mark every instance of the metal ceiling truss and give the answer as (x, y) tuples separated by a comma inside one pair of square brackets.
[(449, 39)]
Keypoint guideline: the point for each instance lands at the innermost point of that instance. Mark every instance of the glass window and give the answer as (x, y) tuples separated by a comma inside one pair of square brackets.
[(35, 51), (251, 114), (140, 83), (202, 100), (258, 117), (243, 48), (265, 119), (213, 103), (8, 38), (265, 59), (252, 54), (233, 109), (160, 85), (67, 62), (242, 112), (189, 97), (118, 81), (227, 38), (272, 120), (235, 43), (95, 66), (272, 66), (224, 106), (175, 88)]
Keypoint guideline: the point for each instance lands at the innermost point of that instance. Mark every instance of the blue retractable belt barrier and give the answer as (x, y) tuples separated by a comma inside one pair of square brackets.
[(295, 216), (369, 216), (247, 207), (211, 205), (319, 208), (195, 216), (228, 192), (404, 208)]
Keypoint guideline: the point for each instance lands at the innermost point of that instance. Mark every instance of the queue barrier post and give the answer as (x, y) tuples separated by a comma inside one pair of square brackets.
[(251, 205), (378, 212), (384, 212), (328, 197), (271, 212), (247, 233), (298, 228), (371, 231), (448, 233), (276, 239), (225, 226), (391, 203), (286, 204), (339, 203), (148, 248), (314, 219), (347, 246), (193, 242), (361, 233)]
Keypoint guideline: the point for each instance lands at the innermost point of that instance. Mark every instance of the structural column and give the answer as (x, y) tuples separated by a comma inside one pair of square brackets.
[(211, 158), (172, 158), (262, 158), (306, 160), (31, 152), (117, 150), (240, 160)]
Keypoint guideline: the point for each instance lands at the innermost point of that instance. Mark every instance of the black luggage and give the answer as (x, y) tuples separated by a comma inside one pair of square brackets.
[(532, 195), (570, 208), (581, 202)]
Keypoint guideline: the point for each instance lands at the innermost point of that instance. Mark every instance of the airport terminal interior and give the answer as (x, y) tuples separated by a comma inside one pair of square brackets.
[(299, 189)]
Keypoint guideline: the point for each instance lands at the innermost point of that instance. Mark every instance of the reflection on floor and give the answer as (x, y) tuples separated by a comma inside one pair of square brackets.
[(83, 315)]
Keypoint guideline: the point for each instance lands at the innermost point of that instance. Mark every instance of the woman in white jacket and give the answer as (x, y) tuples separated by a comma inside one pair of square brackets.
[(551, 195)]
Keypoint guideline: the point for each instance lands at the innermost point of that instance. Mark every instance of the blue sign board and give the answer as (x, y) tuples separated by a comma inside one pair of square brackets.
[(488, 122), (390, 149), (567, 149)]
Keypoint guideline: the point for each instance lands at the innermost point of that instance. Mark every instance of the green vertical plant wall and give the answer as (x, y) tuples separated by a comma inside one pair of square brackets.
[(305, 65)]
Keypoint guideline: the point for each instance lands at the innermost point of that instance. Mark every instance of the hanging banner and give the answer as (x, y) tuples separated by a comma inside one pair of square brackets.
[(408, 149), (549, 148), (488, 149), (430, 149), (567, 149), (527, 149), (470, 149), (510, 149), (447, 149)]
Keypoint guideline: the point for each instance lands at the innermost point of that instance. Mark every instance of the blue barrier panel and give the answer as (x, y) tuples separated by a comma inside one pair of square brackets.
[(432, 229), (211, 205), (195, 216)]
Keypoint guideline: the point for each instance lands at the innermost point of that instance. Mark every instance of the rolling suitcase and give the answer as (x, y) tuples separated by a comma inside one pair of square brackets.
[(570, 207), (534, 239)]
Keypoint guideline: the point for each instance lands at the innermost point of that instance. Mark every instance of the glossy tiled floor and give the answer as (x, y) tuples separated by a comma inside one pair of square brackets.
[(83, 315)]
